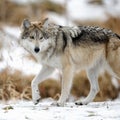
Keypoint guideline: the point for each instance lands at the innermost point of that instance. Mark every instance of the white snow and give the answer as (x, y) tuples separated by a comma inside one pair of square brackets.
[(81, 10), (24, 110), (112, 7), (13, 31), (13, 55)]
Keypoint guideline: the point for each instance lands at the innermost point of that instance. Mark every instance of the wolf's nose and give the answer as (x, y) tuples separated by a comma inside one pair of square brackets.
[(36, 49)]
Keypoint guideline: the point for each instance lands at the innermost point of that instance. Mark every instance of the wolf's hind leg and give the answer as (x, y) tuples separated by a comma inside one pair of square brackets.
[(94, 86), (45, 72)]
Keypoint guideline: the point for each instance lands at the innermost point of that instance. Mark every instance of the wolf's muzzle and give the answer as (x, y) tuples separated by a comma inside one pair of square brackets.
[(37, 49)]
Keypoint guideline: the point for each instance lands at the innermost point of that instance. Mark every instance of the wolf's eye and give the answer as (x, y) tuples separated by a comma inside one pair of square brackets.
[(41, 37), (32, 37)]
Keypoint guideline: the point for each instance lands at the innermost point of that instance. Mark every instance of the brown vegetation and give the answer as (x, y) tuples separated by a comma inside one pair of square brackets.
[(81, 87), (14, 13), (18, 86), (14, 85), (111, 23), (96, 2)]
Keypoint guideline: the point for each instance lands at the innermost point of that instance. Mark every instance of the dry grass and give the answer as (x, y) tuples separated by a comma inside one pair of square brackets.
[(14, 85), (13, 13), (18, 86), (107, 89), (81, 87), (53, 7), (50, 88), (96, 2), (112, 23)]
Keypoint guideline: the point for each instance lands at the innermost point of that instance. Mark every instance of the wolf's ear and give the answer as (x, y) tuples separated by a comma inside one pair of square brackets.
[(26, 23), (45, 23)]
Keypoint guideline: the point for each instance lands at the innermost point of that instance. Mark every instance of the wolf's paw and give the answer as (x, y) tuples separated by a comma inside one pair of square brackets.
[(57, 103), (81, 102), (36, 101)]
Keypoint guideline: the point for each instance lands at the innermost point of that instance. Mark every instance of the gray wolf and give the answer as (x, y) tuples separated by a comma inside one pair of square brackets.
[(69, 49)]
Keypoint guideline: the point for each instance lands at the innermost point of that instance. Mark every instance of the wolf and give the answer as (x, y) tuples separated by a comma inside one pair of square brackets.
[(69, 49)]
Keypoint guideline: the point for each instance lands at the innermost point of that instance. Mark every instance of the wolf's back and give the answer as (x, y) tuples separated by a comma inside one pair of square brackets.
[(94, 35)]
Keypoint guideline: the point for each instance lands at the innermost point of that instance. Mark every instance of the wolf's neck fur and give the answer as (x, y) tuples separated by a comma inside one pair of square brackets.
[(64, 34)]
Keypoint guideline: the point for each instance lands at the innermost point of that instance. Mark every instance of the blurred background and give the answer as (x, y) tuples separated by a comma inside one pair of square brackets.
[(18, 67)]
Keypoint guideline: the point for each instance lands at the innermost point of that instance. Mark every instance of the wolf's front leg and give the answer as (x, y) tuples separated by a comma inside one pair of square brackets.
[(44, 73), (67, 76)]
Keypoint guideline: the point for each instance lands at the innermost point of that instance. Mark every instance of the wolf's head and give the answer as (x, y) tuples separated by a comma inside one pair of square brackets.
[(37, 36)]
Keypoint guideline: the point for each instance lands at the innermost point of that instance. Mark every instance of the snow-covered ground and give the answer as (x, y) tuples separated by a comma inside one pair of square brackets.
[(23, 110)]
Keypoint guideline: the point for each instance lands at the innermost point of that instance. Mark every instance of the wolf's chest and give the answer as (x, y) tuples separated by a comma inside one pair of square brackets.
[(53, 61)]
